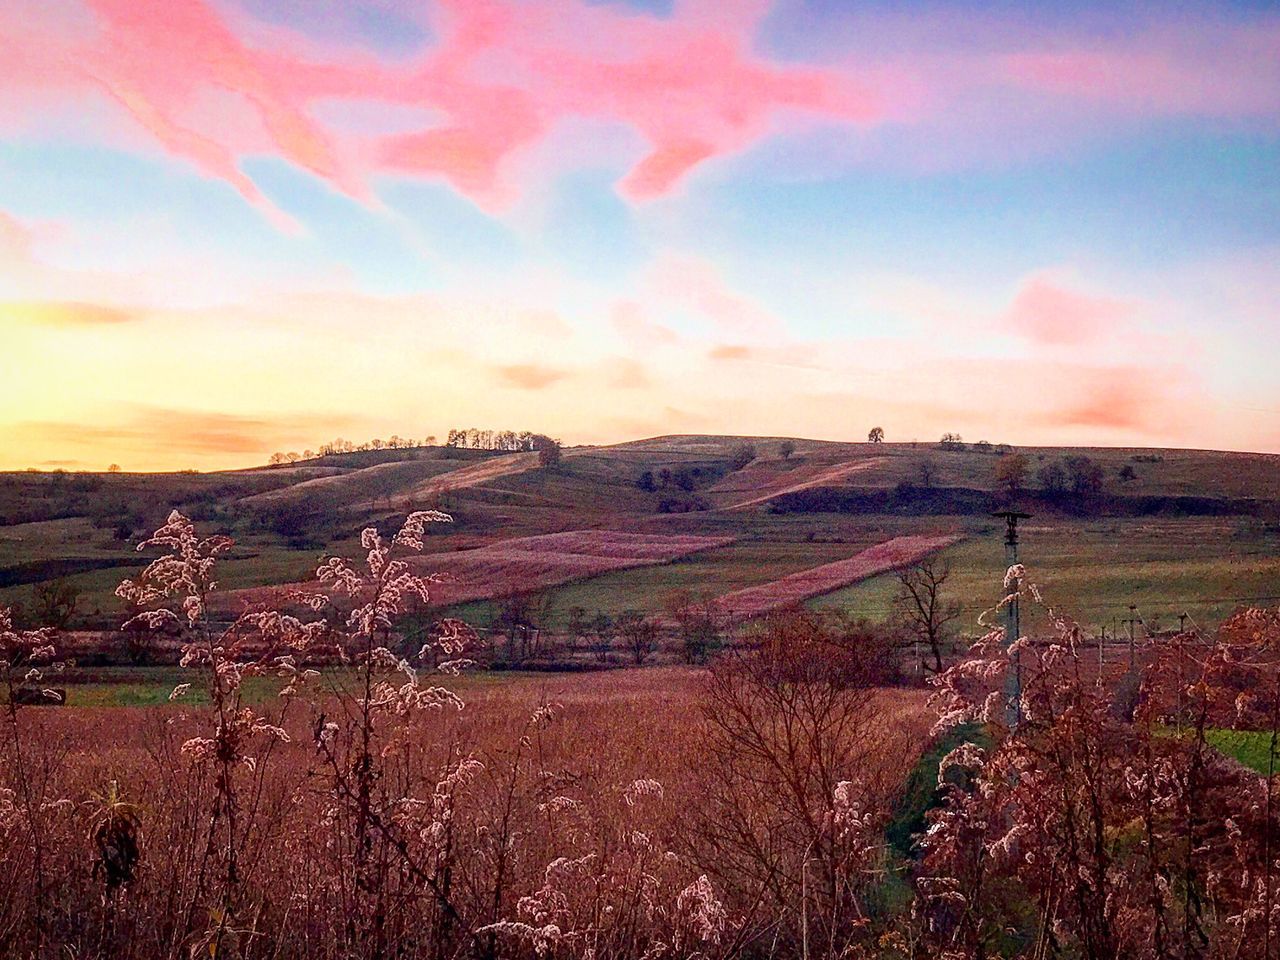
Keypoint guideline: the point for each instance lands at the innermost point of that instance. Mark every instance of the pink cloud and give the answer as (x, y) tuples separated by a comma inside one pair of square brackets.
[(627, 374), (698, 284), (1120, 398), (1201, 68), (529, 376), (15, 240), (68, 313), (503, 76), (629, 321), (729, 351), (1047, 313)]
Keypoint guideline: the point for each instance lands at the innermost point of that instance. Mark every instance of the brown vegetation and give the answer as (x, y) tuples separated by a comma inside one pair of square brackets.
[(738, 810)]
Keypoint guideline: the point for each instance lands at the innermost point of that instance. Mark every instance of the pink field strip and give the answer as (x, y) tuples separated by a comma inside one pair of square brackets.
[(527, 563), (891, 555), (534, 563)]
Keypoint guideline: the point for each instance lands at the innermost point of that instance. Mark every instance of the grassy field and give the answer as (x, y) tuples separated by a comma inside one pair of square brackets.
[(712, 573), (1250, 747), (255, 560), (1093, 570), (151, 686)]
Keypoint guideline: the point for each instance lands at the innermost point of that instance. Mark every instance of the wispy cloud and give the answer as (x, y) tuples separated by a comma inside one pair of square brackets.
[(1125, 398), (729, 351), (66, 314), (197, 435), (1048, 313), (530, 376)]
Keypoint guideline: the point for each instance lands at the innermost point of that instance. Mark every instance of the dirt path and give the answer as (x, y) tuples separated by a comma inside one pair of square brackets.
[(822, 477), (475, 474)]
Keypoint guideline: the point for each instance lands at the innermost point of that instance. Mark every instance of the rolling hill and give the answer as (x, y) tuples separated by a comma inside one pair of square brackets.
[(1170, 530)]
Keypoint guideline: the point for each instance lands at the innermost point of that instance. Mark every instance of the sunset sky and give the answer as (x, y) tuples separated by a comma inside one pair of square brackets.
[(232, 227)]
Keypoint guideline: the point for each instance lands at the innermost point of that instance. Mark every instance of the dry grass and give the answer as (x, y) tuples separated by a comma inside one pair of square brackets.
[(333, 486), (607, 732)]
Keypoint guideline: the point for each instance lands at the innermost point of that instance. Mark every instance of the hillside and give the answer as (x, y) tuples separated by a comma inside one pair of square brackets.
[(1173, 530)]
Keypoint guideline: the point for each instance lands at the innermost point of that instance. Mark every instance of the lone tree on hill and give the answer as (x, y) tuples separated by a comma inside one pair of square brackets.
[(548, 450), (876, 435), (922, 607), (1011, 473), (786, 449)]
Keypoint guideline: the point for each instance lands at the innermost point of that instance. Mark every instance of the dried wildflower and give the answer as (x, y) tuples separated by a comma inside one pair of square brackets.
[(642, 789)]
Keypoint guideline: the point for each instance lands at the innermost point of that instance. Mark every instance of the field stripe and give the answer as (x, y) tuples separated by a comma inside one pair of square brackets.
[(814, 582), (522, 564), (832, 474)]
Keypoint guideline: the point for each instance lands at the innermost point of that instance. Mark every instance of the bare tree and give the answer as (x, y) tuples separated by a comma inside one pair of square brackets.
[(577, 625), (922, 607), (699, 623), (639, 635), (792, 747), (54, 602), (604, 629), (928, 473)]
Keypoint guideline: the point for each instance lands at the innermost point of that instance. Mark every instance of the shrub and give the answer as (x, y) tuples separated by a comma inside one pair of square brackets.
[(742, 455)]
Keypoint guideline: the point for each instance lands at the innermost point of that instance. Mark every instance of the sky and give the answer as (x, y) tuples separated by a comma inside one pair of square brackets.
[(234, 227)]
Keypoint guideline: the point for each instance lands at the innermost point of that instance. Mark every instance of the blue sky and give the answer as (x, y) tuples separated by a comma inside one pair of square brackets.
[(294, 220)]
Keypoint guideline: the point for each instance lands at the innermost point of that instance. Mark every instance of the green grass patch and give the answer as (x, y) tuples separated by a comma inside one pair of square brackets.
[(1253, 748), (920, 795), (152, 686)]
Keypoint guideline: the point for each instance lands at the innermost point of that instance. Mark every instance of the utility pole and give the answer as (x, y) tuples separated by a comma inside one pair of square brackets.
[(1102, 644), (1133, 623), (1182, 622), (1013, 624)]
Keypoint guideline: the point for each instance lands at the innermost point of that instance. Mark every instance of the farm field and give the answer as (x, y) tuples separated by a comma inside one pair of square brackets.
[(813, 582), (533, 563), (1092, 570), (286, 519), (708, 573)]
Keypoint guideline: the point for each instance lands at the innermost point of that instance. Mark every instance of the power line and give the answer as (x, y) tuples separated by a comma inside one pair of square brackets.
[(1150, 602)]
